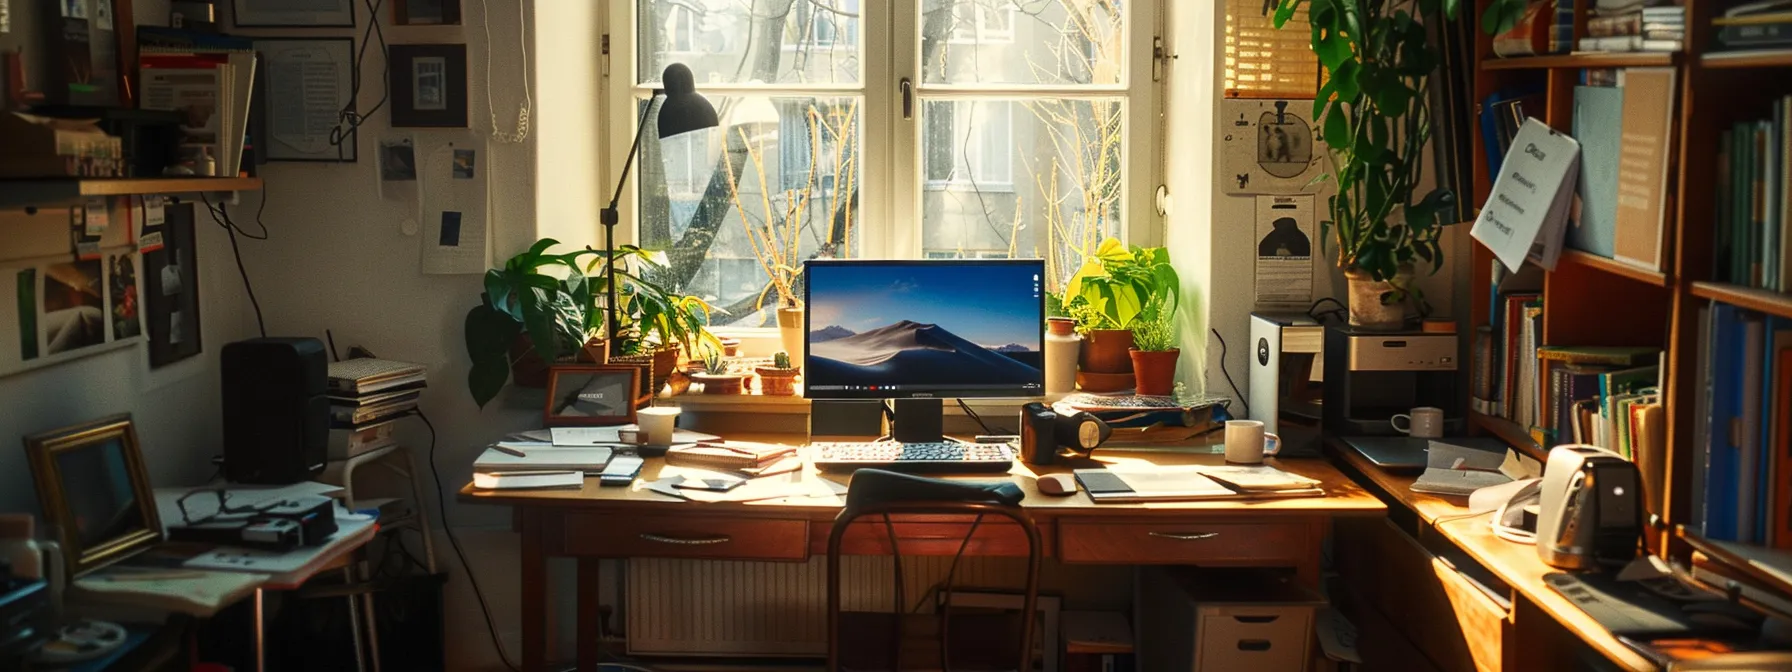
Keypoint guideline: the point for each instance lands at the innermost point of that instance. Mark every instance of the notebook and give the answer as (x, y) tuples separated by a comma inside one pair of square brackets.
[(542, 457), (529, 480)]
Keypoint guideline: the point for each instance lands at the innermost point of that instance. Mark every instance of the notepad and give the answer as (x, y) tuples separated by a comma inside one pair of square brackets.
[(542, 457), (528, 480)]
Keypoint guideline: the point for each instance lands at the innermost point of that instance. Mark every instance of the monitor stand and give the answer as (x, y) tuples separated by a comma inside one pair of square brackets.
[(918, 421)]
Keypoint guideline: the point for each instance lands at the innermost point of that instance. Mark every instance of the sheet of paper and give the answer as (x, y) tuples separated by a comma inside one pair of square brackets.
[(309, 83), (1286, 242), (1269, 146), (597, 436), (99, 217), (203, 505), (453, 184), (1530, 201)]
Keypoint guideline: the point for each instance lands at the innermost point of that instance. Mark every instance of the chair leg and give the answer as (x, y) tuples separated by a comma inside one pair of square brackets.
[(834, 600)]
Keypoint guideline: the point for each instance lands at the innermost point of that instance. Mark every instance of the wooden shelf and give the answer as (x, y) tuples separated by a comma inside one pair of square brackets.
[(1586, 60), (1772, 303), (1757, 58), (1615, 267), (19, 193), (1508, 431)]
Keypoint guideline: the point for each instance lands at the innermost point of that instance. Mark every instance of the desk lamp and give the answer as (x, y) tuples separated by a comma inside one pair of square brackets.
[(683, 111)]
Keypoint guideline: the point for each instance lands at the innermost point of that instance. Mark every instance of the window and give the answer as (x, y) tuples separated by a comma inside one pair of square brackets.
[(1263, 61), (1017, 141)]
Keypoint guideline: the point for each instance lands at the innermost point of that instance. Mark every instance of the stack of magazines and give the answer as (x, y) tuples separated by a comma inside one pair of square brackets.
[(366, 396)]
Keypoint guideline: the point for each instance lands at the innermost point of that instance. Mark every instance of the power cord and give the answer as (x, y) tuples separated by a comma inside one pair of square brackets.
[(522, 111), (442, 509), (978, 418), (1228, 374), (221, 216), (349, 119)]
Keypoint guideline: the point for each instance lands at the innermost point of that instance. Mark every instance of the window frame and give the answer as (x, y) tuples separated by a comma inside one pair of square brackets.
[(892, 174)]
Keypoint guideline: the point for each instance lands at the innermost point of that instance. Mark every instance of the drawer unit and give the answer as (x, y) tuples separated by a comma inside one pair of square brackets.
[(1174, 543), (685, 536)]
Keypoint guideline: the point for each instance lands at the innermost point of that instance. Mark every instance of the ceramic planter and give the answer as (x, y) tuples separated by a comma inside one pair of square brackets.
[(1366, 307), (774, 382), (1103, 364), (790, 332), (719, 383), (1154, 372)]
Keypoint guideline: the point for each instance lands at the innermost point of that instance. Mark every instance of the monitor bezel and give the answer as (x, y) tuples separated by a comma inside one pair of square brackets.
[(977, 393)]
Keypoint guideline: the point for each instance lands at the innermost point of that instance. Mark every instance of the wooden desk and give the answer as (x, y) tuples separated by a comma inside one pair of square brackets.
[(595, 522), (1516, 571)]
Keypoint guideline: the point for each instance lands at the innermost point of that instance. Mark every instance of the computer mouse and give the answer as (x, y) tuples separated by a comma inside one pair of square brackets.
[(1057, 484)]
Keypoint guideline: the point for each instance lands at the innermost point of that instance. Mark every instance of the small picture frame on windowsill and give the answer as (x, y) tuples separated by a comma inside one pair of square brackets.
[(586, 395)]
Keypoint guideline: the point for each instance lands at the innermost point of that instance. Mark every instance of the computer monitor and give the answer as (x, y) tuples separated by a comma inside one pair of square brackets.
[(933, 329)]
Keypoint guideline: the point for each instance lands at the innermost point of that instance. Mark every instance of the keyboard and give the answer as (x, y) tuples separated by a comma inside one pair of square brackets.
[(941, 457)]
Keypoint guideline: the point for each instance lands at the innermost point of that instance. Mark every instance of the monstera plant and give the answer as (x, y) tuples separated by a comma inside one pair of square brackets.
[(1375, 117)]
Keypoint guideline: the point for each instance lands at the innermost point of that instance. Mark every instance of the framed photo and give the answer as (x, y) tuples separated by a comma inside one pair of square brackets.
[(171, 289), (425, 12), (429, 85), (591, 394), (95, 492), (309, 82), (300, 14)]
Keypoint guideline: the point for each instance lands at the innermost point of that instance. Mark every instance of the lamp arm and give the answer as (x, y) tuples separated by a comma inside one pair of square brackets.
[(633, 149), (609, 218)]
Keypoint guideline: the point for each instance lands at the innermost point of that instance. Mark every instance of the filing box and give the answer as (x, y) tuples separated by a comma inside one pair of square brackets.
[(1209, 620)]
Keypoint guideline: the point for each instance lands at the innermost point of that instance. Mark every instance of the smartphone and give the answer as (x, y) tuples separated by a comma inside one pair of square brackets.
[(621, 470), (712, 484)]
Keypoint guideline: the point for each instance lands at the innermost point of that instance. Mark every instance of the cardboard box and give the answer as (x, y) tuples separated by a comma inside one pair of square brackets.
[(1209, 620)]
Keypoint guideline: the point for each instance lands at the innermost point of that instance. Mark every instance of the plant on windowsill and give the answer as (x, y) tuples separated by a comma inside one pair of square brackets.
[(1154, 351), (779, 379), (1105, 297), (1375, 118), (716, 377)]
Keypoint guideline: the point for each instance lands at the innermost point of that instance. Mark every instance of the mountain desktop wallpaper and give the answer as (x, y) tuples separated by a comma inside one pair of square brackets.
[(924, 325)]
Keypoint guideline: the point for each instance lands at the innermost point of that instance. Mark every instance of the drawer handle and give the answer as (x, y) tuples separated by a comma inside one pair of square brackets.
[(702, 541), (1185, 536)]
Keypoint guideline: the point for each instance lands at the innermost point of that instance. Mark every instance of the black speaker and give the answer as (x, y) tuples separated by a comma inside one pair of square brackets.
[(276, 417)]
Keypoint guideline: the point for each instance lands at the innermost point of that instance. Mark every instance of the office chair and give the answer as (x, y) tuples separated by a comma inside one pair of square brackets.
[(882, 494)]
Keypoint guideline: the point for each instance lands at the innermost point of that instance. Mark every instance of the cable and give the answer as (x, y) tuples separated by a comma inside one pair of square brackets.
[(442, 509), (522, 111), (1228, 374), (946, 611), (237, 252), (980, 423), (353, 119), (1338, 313)]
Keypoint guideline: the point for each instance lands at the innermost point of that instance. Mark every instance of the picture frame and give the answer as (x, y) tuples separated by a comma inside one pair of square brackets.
[(306, 57), (591, 395), (425, 12), (95, 491), (428, 85), (245, 14)]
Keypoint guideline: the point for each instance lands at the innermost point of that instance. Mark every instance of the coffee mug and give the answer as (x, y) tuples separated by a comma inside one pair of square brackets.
[(1247, 443), (657, 424), (1424, 422)]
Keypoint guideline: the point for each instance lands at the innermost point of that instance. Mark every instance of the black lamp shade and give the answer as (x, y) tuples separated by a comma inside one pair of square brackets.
[(684, 110)]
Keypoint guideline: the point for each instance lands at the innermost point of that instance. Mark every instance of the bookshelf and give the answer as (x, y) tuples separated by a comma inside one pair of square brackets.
[(20, 193), (1590, 300)]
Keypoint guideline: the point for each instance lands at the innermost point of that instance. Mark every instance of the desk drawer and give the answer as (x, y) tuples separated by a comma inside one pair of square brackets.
[(1177, 543), (686, 536)]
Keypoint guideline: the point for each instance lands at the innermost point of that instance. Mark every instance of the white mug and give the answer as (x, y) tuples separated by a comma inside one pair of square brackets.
[(1247, 443), (1424, 422), (657, 424)]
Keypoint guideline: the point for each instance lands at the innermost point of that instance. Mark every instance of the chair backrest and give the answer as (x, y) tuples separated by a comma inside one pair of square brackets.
[(886, 494)]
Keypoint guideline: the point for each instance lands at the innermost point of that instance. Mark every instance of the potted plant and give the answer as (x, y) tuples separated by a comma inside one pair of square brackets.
[(1105, 296), (715, 377), (1154, 351), (1374, 115), (779, 379), (654, 325)]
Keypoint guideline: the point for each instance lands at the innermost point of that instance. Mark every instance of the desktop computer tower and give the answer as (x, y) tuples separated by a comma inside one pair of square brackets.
[(1287, 379), (276, 417)]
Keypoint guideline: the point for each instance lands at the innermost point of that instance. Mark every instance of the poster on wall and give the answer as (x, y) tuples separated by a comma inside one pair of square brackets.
[(74, 306), (1269, 147), (171, 291), (1286, 247), (453, 183)]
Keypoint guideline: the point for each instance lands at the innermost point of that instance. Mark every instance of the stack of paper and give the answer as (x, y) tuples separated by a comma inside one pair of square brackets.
[(368, 392)]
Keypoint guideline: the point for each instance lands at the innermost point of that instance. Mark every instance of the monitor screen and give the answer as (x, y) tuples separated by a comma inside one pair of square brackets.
[(946, 328)]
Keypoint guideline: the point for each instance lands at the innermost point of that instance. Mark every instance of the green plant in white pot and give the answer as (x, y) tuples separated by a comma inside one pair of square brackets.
[(1375, 118)]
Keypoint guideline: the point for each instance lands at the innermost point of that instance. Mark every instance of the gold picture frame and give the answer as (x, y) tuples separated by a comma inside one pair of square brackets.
[(95, 491)]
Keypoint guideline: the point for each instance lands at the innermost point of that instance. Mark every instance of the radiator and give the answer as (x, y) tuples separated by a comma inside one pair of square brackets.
[(714, 607)]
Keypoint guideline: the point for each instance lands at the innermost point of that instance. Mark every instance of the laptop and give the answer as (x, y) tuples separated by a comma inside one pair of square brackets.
[(1408, 453)]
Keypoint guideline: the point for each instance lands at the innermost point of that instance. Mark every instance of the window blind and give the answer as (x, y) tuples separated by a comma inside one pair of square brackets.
[(1264, 62)]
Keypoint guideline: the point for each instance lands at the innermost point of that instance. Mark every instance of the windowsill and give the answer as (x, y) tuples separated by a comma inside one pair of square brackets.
[(967, 185)]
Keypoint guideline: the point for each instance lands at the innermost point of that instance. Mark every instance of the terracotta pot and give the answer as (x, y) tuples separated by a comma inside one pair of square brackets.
[(1367, 309), (527, 368), (656, 368), (1154, 372), (730, 347), (1090, 381), (776, 382), (1060, 326), (1104, 351), (726, 383), (595, 351)]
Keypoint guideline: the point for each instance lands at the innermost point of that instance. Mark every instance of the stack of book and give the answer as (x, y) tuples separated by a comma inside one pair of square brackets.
[(1636, 29), (1742, 484), (1503, 348), (1756, 25), (1545, 27), (1753, 165), (1603, 396), (209, 78), (366, 396)]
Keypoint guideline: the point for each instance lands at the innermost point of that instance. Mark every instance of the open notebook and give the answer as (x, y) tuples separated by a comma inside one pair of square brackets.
[(1190, 482)]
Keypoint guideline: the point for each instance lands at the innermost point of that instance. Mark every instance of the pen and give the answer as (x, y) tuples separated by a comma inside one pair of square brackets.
[(507, 450)]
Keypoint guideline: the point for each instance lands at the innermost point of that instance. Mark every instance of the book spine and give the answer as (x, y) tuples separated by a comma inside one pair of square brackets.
[(1721, 246), (1610, 26), (1561, 35)]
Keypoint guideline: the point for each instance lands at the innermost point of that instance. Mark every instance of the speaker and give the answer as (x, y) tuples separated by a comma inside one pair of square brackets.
[(276, 417)]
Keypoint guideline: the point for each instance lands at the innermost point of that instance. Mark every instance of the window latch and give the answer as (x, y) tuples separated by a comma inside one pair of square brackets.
[(1158, 59), (906, 89)]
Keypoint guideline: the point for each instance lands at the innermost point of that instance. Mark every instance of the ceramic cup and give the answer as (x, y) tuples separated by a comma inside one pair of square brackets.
[(1424, 422), (657, 423), (1247, 443)]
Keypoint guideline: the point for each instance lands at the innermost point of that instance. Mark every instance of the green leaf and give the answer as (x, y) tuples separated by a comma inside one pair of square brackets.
[(1336, 129), (1501, 16), (1452, 8), (487, 378), (489, 331), (1347, 81), (539, 319), (1285, 11), (1333, 48)]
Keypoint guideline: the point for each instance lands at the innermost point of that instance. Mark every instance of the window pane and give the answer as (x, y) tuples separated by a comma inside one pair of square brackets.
[(740, 41), (790, 162), (1022, 41), (1026, 177)]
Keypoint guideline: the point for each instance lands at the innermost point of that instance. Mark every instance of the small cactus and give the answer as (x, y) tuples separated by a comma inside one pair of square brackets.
[(781, 360), (714, 365)]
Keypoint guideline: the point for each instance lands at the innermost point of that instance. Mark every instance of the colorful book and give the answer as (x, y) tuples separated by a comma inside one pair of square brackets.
[(1594, 355), (1643, 166)]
